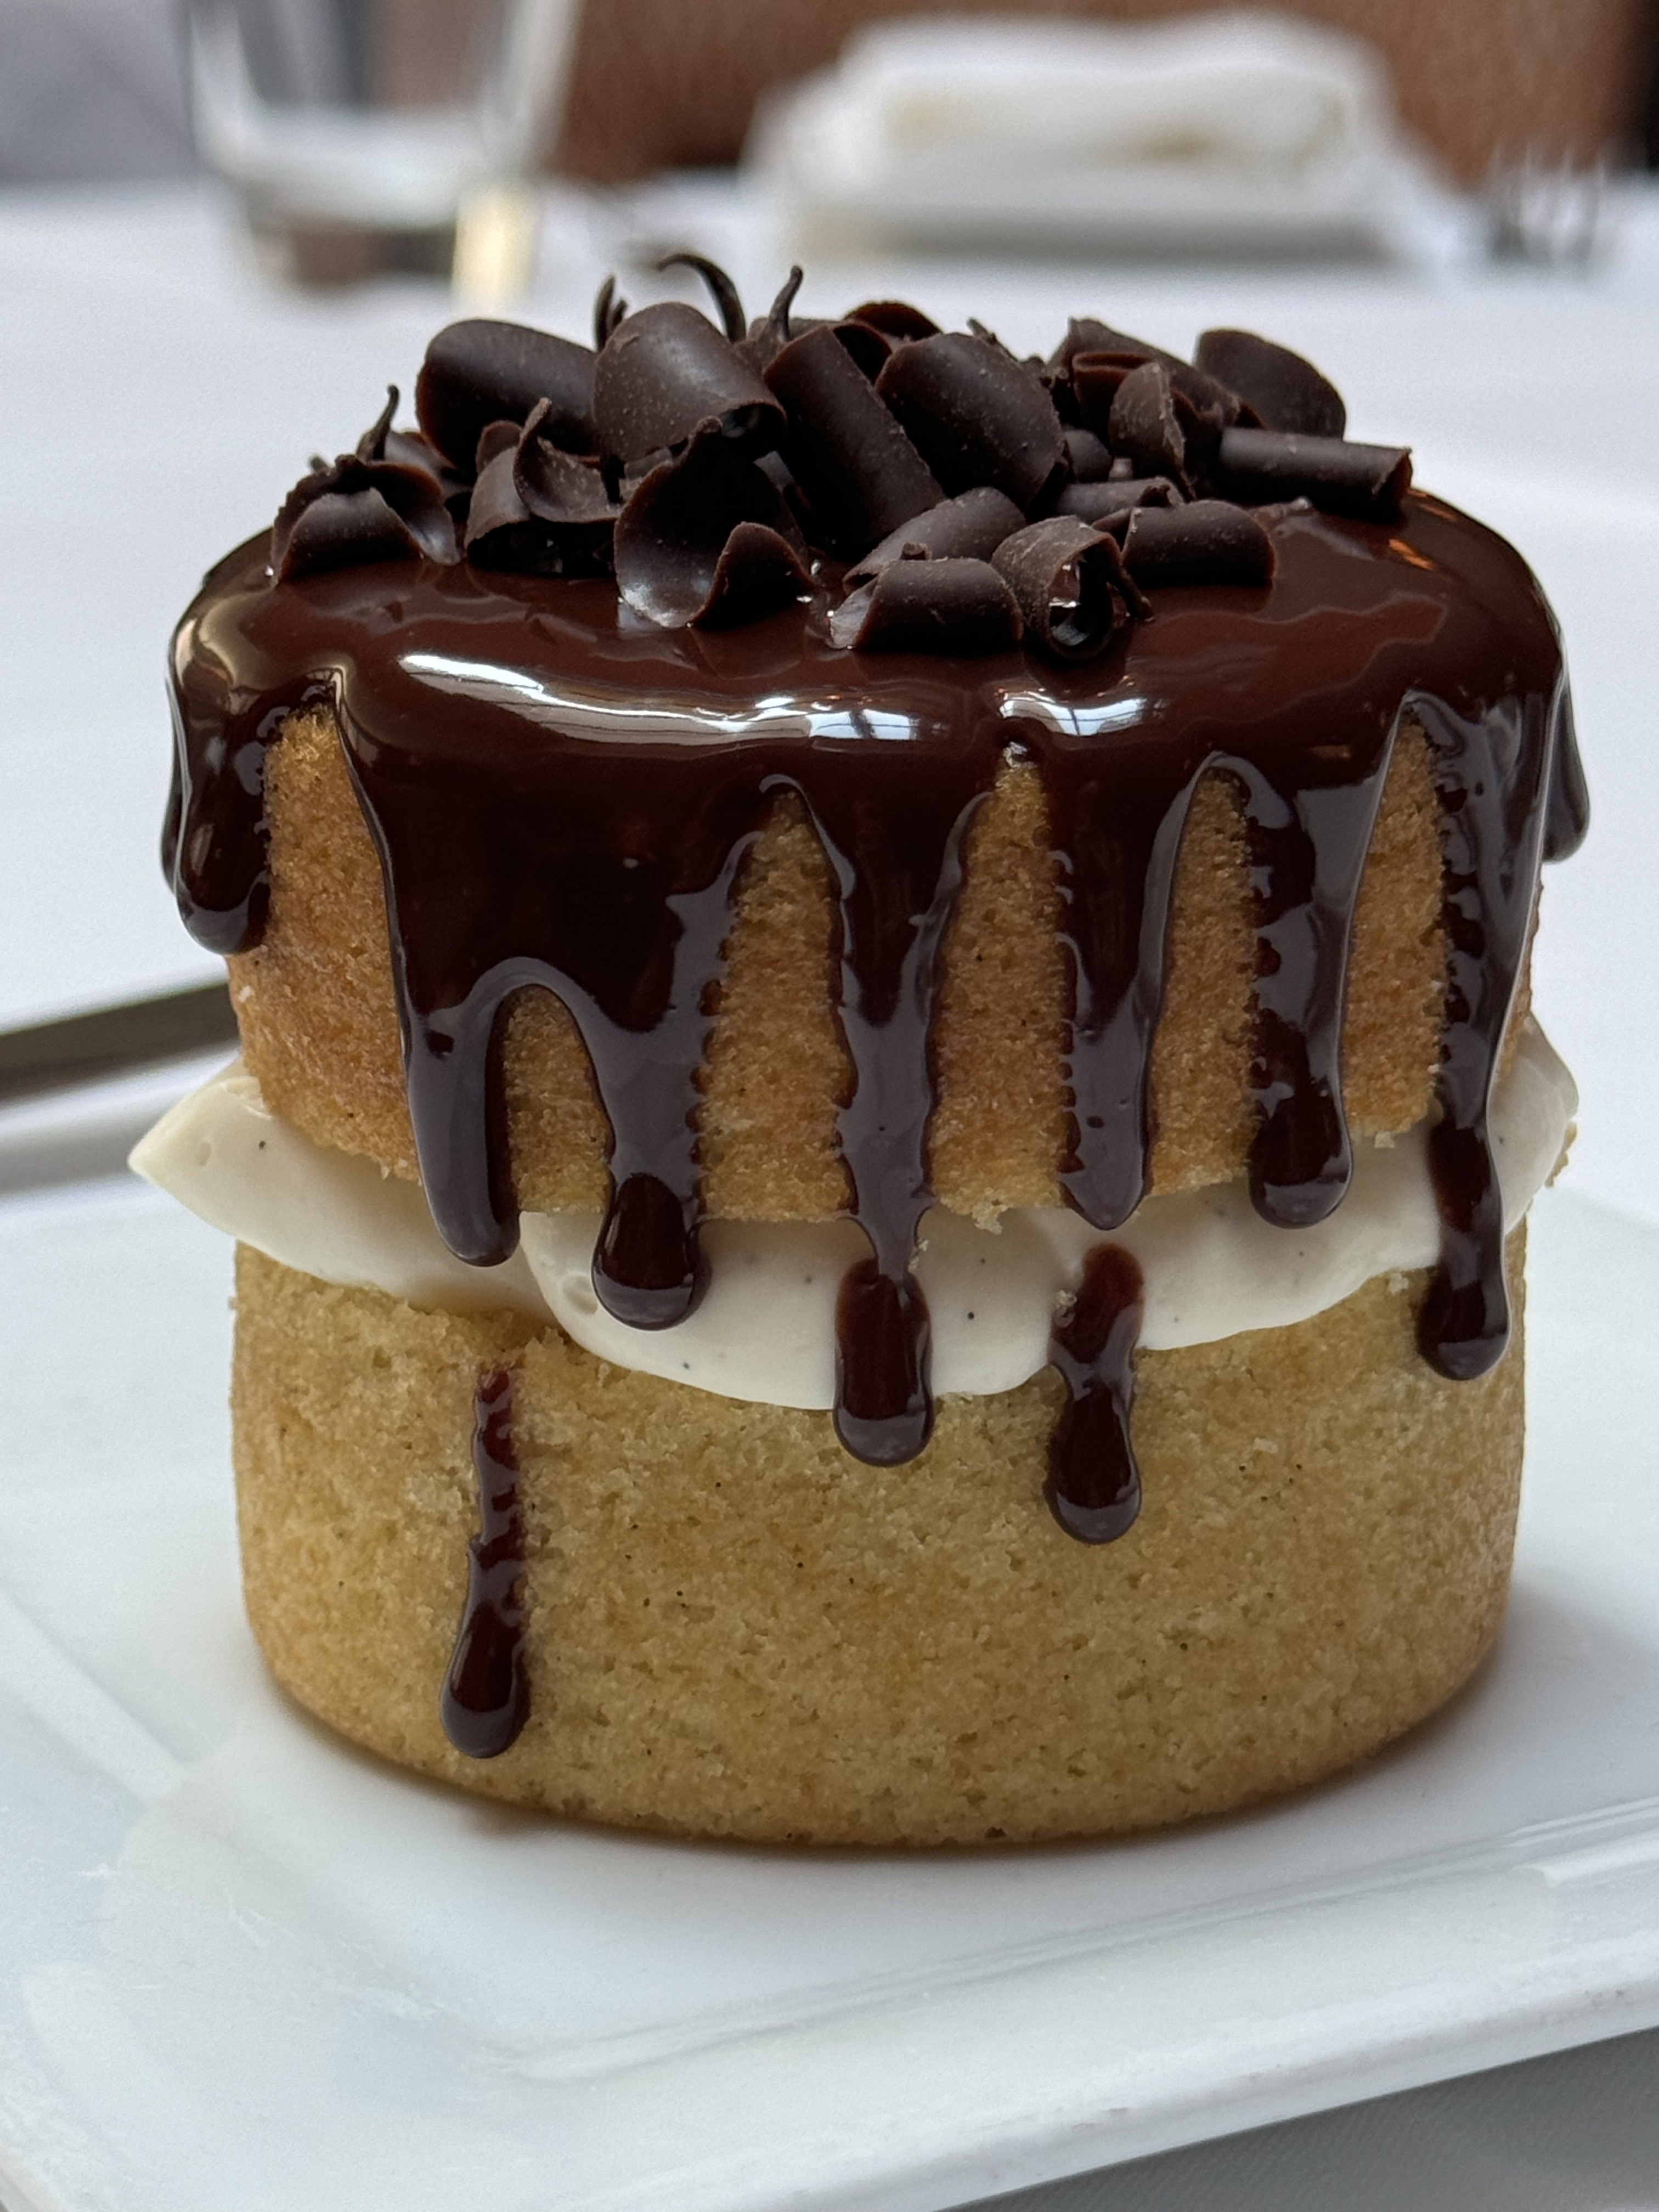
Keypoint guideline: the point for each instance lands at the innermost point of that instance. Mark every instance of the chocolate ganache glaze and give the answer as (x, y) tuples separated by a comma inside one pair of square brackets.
[(563, 778)]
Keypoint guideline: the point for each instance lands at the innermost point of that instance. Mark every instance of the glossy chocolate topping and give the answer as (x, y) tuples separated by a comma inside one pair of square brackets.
[(562, 792)]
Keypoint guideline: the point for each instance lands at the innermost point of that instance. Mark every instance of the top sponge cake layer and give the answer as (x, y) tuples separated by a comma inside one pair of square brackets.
[(318, 1024)]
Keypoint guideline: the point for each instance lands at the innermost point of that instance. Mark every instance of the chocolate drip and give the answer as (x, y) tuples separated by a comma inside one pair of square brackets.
[(1494, 780), (1566, 825), (1126, 805), (1307, 846), (213, 840), (898, 872), (568, 883), (1093, 1487), (562, 796), (486, 1698)]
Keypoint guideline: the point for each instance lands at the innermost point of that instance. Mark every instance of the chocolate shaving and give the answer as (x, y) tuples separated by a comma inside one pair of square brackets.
[(952, 606), (496, 438), (860, 474), (1285, 391), (721, 290), (867, 347), (1095, 376), (706, 538), (1085, 334), (976, 415), (478, 373), (665, 371), (496, 508), (1099, 502), (768, 336), (895, 318), (371, 446), (1208, 541), (557, 486), (1366, 482), (1144, 423), (971, 527), (759, 570), (336, 528), (362, 508), (1211, 399), (1088, 457), (409, 450), (1096, 379), (537, 508), (1070, 583), (608, 312)]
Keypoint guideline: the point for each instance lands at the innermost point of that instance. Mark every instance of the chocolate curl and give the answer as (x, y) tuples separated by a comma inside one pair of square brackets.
[(868, 347), (1070, 584), (496, 506), (608, 312), (1087, 456), (1213, 400), (758, 571), (976, 415), (1144, 423), (557, 486), (1285, 391), (705, 538), (336, 529), (860, 474), (951, 606), (536, 509), (409, 450), (1096, 379), (665, 371), (476, 373), (1086, 334), (1208, 541), (721, 290), (1367, 483), (496, 438), (1100, 502), (769, 333), (894, 319), (969, 527), (362, 508), (371, 446)]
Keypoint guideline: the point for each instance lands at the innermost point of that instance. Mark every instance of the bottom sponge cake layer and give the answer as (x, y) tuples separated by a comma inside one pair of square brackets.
[(734, 1629)]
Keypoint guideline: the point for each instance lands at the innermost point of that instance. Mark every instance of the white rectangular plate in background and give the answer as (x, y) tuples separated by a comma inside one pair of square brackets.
[(242, 1966)]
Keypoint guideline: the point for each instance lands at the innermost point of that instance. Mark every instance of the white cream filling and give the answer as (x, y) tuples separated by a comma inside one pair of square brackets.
[(765, 1330)]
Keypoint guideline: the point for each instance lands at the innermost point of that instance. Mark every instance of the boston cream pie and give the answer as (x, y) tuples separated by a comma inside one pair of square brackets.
[(886, 1076)]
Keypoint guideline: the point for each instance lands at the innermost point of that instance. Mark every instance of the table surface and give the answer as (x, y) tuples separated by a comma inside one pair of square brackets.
[(161, 399)]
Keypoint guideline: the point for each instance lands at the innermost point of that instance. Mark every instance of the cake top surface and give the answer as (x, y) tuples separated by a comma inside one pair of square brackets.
[(581, 630)]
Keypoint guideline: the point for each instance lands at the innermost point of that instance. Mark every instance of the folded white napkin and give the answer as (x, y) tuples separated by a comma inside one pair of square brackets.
[(1221, 130)]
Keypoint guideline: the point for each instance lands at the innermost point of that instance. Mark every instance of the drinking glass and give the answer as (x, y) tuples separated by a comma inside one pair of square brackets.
[(372, 136)]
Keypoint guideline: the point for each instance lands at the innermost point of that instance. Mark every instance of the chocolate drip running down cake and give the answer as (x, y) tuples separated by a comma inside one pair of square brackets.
[(887, 1100)]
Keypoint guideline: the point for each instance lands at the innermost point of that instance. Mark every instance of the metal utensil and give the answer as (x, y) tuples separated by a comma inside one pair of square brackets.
[(82, 1048)]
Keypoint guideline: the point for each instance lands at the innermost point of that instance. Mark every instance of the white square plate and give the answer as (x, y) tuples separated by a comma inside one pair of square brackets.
[(243, 1969)]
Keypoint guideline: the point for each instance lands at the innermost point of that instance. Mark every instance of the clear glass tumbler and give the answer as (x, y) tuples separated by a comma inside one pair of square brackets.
[(360, 133)]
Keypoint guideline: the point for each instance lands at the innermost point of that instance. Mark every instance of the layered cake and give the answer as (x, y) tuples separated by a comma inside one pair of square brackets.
[(887, 1100)]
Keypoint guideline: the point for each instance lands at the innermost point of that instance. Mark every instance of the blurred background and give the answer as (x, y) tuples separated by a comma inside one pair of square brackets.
[(96, 89)]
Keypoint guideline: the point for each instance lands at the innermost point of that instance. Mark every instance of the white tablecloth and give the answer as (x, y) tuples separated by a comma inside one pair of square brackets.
[(158, 401)]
